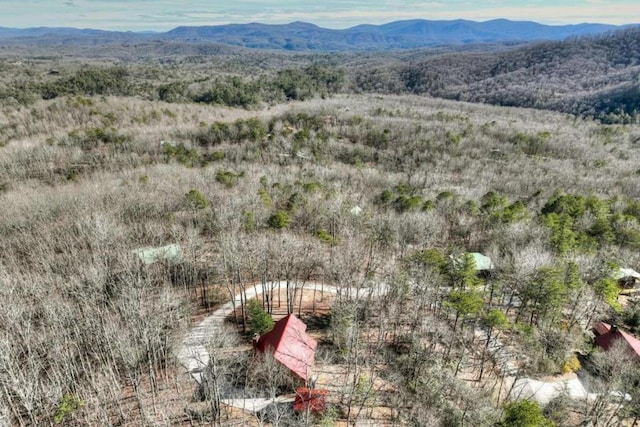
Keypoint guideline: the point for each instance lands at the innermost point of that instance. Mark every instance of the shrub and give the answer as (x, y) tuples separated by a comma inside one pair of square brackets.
[(256, 129), (70, 403), (197, 199), (516, 211), (431, 257), (404, 196), (405, 203), (571, 365), (217, 156), (497, 207), (187, 156), (325, 237), (428, 205), (265, 197), (453, 138), (279, 220), (259, 320), (378, 139), (492, 201), (524, 413), (217, 133), (471, 207), (311, 187), (172, 92), (226, 178), (94, 137), (295, 201), (385, 197), (532, 145), (249, 222), (445, 195), (574, 206)]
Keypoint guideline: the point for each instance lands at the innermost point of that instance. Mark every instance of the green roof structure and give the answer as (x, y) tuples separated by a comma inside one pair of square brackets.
[(150, 255), (623, 273), (483, 262)]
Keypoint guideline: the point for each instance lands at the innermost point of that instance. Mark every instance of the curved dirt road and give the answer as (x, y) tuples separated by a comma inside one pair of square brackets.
[(193, 353)]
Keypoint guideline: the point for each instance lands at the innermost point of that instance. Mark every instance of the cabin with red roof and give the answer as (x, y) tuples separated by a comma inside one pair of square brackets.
[(291, 345), (607, 334)]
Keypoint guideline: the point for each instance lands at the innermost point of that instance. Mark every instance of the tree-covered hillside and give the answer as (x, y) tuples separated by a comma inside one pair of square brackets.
[(596, 76), (438, 250), (589, 76), (269, 195), (302, 36)]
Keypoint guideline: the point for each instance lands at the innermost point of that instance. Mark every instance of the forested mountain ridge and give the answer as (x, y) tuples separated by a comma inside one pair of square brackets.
[(595, 76), (408, 34), (302, 36)]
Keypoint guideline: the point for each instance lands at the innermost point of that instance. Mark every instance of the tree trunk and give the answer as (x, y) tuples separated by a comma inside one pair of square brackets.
[(455, 323), (484, 352)]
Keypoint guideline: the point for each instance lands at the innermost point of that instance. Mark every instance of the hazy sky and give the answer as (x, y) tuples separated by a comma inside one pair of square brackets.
[(166, 14)]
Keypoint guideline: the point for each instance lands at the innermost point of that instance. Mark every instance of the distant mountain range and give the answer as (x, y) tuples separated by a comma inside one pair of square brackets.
[(301, 36)]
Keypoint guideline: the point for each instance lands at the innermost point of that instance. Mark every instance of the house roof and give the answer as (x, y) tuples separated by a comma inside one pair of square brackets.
[(606, 339), (601, 328), (482, 262), (623, 273), (291, 345), (151, 255)]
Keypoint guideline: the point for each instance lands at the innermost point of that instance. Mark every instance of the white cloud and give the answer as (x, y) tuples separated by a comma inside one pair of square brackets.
[(549, 14)]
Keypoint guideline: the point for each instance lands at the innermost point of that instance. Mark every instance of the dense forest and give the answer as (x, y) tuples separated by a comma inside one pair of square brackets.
[(348, 171), (597, 76)]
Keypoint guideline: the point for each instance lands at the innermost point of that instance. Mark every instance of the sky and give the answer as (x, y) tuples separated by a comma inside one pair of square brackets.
[(162, 15)]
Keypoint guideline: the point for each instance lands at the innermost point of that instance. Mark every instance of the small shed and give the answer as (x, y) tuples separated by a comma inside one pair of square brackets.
[(607, 334), (291, 345)]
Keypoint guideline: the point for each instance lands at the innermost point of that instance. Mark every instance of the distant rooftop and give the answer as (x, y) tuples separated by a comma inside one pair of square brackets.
[(482, 262), (150, 255)]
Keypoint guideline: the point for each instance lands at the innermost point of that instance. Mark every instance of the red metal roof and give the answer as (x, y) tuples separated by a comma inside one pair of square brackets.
[(290, 344), (601, 328), (313, 400), (607, 338)]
